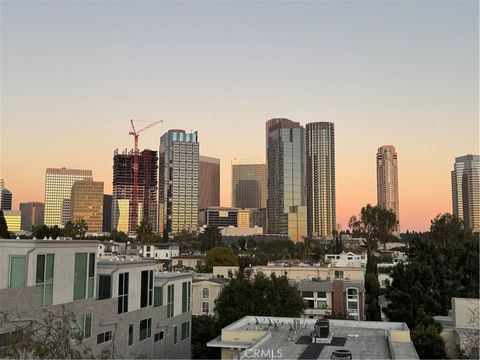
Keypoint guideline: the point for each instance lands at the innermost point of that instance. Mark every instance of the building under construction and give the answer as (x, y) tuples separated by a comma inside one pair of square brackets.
[(122, 201)]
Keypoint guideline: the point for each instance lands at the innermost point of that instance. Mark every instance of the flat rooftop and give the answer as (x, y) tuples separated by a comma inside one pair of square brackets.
[(365, 340)]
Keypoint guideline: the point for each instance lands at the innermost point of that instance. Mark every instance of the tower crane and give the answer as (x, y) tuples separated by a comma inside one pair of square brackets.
[(135, 134)]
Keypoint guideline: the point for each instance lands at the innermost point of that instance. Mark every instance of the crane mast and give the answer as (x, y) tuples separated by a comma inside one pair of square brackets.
[(135, 135)]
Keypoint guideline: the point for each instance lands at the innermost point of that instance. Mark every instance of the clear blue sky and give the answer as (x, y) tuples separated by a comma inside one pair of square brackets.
[(385, 72)]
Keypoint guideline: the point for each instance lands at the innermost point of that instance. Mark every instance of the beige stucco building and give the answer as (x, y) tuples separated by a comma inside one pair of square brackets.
[(205, 291)]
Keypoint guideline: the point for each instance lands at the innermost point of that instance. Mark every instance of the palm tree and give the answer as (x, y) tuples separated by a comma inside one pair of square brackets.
[(81, 228)]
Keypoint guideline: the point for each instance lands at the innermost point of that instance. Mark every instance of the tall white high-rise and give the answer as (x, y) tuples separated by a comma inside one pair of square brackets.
[(58, 189), (178, 181), (466, 190), (387, 180), (320, 179)]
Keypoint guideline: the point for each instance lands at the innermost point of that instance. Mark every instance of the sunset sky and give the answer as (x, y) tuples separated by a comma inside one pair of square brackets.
[(385, 72)]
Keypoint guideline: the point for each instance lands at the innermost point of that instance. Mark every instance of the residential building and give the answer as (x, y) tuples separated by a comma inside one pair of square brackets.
[(336, 297), (466, 191), (86, 203), (118, 304), (286, 210), (268, 337), (33, 214), (112, 249), (58, 189), (224, 272), (461, 329), (107, 213), (188, 261), (208, 182), (320, 178), (305, 271), (249, 184), (387, 181), (13, 218), (178, 182), (6, 200), (122, 194), (347, 260), (205, 292), (160, 251)]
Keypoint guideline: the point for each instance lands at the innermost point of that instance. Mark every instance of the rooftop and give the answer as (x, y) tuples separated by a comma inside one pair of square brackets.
[(365, 340), (327, 286)]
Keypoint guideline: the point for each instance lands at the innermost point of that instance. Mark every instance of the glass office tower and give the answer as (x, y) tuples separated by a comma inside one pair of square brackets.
[(320, 179), (249, 184), (286, 210), (466, 191), (58, 189)]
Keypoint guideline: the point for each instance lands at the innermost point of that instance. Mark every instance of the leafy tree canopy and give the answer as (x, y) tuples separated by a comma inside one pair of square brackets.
[(220, 256), (257, 295)]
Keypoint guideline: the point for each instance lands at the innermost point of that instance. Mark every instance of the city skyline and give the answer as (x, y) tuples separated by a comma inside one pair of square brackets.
[(206, 79)]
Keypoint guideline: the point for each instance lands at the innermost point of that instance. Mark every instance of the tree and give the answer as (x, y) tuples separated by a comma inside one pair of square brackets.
[(375, 224), (257, 295), (3, 227), (119, 236), (428, 342), (372, 292), (209, 238), (69, 229), (242, 243), (204, 327), (220, 256), (52, 336), (81, 228), (145, 233)]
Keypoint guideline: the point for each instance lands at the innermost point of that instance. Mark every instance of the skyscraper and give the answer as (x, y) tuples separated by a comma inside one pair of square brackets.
[(7, 197), (178, 181), (466, 190), (107, 213), (208, 182), (2, 186), (387, 180), (249, 184), (58, 188), (320, 179), (122, 195), (33, 214), (286, 210), (86, 202)]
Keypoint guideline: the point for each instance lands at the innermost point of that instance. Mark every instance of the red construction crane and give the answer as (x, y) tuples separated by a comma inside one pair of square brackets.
[(135, 170)]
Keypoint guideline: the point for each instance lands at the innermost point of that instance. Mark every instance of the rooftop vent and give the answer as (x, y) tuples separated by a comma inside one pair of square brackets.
[(341, 354)]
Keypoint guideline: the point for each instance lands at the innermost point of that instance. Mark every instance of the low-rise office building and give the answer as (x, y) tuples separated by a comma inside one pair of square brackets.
[(13, 218), (261, 337), (119, 304)]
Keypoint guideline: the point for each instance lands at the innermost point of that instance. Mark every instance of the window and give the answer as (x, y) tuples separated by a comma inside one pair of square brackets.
[(104, 337), (145, 329), (122, 293), (10, 338), (158, 336), (146, 292), (158, 296), (104, 287), (44, 280), (186, 288), (321, 295), (205, 307), (175, 335), (170, 305), (307, 293), (352, 302), (84, 277), (130, 334), (84, 323), (205, 293), (338, 274), (18, 272), (185, 330)]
